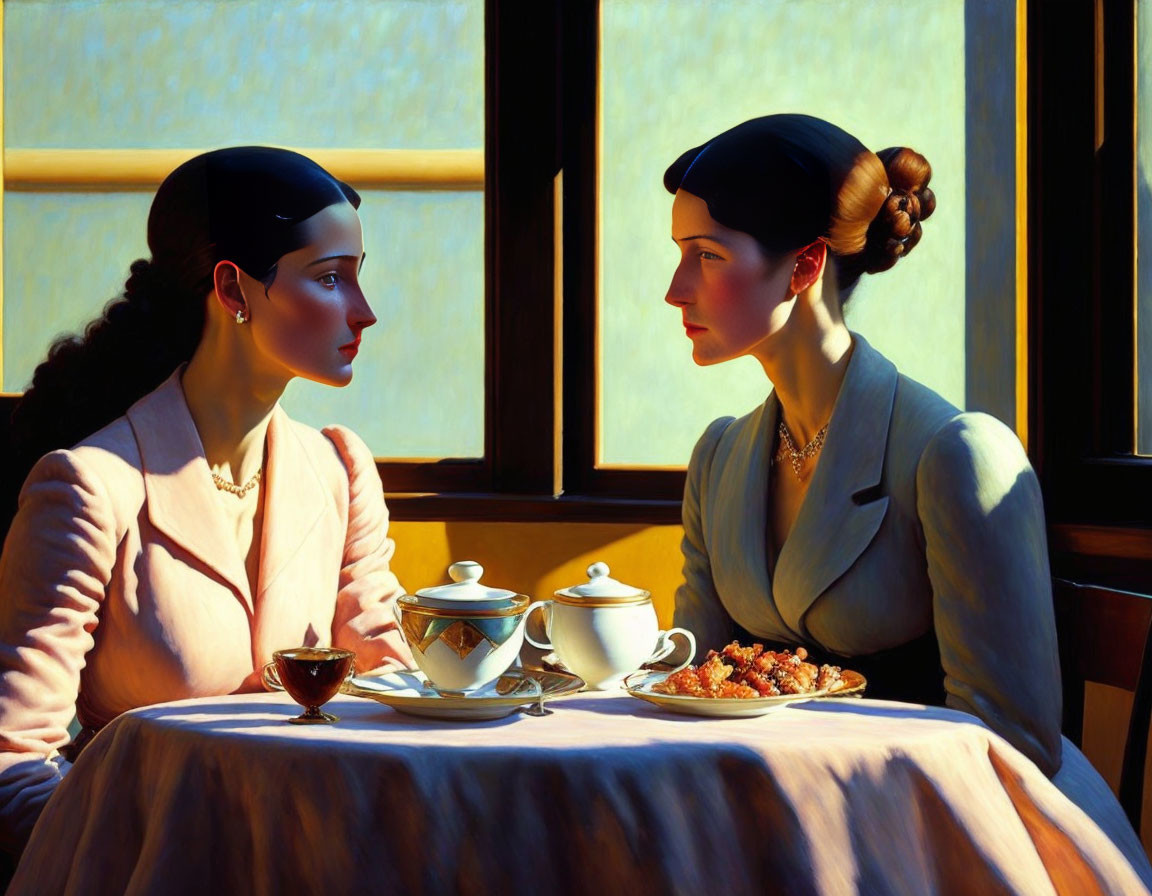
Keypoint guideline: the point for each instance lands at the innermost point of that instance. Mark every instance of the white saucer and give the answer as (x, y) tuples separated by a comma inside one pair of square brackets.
[(409, 692)]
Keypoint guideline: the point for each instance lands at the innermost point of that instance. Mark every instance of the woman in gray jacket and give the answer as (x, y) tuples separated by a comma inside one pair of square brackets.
[(856, 512)]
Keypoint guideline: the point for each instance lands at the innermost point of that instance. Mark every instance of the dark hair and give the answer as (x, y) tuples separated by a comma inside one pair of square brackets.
[(788, 180), (242, 204)]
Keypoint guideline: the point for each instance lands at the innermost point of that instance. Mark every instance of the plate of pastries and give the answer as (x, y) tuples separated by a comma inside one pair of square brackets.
[(745, 681)]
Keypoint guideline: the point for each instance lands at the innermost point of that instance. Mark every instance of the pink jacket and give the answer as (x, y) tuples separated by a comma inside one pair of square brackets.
[(120, 585)]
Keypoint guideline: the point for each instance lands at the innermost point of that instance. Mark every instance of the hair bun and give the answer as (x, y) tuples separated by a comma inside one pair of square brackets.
[(896, 230)]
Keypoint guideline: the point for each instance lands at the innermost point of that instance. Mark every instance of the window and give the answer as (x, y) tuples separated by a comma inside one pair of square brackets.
[(670, 76), (1090, 202), (673, 75), (525, 365), (102, 99)]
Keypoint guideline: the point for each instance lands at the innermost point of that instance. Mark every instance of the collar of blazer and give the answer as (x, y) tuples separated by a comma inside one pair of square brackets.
[(844, 506), (183, 502)]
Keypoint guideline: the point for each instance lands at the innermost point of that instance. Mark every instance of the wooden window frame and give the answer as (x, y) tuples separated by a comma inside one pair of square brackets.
[(517, 477), (540, 248), (1077, 325), (540, 181), (1082, 252), (542, 94), (583, 474)]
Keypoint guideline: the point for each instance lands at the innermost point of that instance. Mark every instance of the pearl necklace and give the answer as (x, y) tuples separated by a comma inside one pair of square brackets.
[(796, 456), (238, 490)]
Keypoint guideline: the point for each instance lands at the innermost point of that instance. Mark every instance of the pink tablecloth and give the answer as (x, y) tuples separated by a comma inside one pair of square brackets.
[(607, 795)]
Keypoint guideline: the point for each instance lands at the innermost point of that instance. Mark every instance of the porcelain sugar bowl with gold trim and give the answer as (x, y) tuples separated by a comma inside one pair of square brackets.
[(464, 635), (604, 629)]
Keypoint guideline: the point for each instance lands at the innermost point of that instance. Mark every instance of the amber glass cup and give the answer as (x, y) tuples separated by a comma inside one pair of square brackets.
[(311, 676)]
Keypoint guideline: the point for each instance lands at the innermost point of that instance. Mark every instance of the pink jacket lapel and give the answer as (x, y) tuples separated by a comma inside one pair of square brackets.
[(180, 496), (295, 499), (183, 503)]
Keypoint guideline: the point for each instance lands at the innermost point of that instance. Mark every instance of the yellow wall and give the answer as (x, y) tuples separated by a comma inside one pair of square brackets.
[(538, 558)]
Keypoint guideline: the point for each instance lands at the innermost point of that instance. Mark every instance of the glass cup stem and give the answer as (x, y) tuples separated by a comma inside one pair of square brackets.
[(313, 715)]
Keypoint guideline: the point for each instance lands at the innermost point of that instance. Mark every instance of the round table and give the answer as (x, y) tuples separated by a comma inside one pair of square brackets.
[(605, 795)]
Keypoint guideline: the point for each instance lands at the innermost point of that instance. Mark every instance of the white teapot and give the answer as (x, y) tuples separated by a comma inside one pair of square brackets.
[(465, 635), (603, 630)]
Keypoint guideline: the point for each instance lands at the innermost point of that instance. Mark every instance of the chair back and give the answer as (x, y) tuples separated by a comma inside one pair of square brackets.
[(1104, 637)]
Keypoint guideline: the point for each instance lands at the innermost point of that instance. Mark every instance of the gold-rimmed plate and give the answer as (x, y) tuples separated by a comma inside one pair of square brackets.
[(408, 692), (852, 684), (641, 686)]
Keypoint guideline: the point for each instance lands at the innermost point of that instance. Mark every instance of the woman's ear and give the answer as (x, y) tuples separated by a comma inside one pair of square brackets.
[(809, 268), (229, 293)]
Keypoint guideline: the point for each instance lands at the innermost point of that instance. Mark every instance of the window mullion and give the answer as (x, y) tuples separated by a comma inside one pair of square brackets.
[(521, 151)]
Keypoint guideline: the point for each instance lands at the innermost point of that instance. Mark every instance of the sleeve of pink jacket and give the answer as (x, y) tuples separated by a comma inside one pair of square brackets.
[(365, 605), (56, 564)]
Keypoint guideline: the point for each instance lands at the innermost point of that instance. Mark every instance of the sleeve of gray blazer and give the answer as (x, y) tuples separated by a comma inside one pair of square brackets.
[(980, 505), (698, 606)]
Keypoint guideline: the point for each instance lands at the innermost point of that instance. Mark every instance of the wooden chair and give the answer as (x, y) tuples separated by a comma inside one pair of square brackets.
[(1104, 636)]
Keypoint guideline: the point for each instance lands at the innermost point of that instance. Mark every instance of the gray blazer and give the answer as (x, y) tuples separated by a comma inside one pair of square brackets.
[(917, 516)]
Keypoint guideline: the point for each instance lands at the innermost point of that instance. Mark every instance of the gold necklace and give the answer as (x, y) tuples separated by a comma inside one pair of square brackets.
[(797, 456), (232, 488)]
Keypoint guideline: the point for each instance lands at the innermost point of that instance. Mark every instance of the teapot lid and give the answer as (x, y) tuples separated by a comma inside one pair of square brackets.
[(602, 585), (465, 585)]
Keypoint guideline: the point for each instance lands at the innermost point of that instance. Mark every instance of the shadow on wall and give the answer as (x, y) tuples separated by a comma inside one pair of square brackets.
[(990, 196)]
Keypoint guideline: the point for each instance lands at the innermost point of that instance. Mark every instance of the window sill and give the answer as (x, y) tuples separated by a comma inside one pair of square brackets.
[(502, 508)]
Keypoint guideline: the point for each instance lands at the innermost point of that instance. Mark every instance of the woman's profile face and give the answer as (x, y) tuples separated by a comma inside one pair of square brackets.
[(310, 322), (731, 297)]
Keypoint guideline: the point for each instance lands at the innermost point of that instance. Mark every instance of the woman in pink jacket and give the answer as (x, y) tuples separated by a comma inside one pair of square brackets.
[(192, 528)]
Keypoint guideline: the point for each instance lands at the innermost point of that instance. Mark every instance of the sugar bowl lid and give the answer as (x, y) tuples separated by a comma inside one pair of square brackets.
[(466, 589), (602, 589)]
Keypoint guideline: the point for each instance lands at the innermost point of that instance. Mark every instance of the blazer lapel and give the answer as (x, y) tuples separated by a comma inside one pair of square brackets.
[(295, 499), (739, 542), (844, 506), (178, 484)]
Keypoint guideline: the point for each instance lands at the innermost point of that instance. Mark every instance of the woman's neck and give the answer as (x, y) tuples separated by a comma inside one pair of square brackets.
[(231, 405), (806, 362)]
